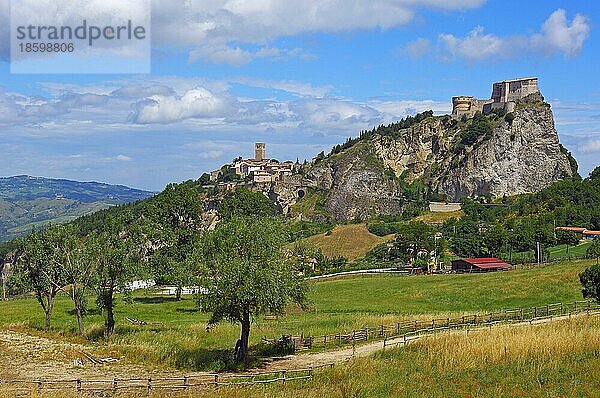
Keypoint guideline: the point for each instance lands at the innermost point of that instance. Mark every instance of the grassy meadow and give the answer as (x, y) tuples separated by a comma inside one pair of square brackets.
[(183, 341), (351, 241), (559, 359)]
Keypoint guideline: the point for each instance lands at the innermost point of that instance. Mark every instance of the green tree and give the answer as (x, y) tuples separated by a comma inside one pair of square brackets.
[(172, 225), (246, 274), (593, 251), (118, 261), (75, 259), (244, 202), (568, 238), (590, 281), (36, 271), (413, 237)]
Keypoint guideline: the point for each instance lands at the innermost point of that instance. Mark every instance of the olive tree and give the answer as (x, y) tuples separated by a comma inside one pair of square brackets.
[(245, 273), (37, 272)]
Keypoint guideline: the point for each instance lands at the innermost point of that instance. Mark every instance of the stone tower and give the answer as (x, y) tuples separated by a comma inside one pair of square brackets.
[(260, 151)]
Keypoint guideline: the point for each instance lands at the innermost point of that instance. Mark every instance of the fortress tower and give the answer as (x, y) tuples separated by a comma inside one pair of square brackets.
[(260, 151)]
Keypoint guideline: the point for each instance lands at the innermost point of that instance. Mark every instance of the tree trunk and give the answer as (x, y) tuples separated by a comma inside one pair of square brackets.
[(242, 352), (48, 312), (79, 319), (78, 303), (110, 316)]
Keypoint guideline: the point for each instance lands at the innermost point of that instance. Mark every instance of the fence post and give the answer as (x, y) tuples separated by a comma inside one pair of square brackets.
[(78, 383), (310, 372), (367, 333), (114, 384), (185, 382), (433, 324), (521, 314), (562, 308), (398, 328), (149, 384), (575, 309), (534, 312), (39, 386), (547, 309), (415, 325), (216, 381), (382, 332), (283, 376)]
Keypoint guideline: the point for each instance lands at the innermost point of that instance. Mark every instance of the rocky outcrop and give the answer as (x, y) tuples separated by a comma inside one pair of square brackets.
[(519, 154), (357, 184), (521, 157)]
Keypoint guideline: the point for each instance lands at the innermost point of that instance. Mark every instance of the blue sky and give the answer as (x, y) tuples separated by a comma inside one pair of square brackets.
[(298, 75)]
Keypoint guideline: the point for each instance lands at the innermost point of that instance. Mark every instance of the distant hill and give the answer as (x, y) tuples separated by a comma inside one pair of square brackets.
[(27, 201)]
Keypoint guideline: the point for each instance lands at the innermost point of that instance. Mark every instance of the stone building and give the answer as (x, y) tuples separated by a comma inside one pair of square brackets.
[(504, 95), (260, 151)]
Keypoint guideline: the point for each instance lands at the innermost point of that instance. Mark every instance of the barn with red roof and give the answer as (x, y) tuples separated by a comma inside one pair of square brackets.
[(484, 264)]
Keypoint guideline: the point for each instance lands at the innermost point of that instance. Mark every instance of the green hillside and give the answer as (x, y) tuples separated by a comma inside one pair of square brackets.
[(27, 202)]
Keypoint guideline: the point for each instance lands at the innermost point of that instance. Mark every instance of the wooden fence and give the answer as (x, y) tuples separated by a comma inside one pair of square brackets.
[(382, 332), (153, 384), (391, 334)]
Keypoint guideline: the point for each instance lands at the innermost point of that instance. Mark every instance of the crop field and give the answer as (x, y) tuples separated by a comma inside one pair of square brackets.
[(351, 241), (181, 340)]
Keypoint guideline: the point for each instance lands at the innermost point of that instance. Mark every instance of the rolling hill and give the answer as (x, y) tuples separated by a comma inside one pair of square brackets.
[(26, 202)]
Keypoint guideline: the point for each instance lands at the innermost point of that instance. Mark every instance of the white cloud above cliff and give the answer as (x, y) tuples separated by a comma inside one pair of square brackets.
[(557, 35)]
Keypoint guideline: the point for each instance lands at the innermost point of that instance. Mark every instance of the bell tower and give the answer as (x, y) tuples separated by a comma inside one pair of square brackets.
[(260, 151)]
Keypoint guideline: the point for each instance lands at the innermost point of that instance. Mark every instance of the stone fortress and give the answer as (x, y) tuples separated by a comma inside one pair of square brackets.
[(504, 96)]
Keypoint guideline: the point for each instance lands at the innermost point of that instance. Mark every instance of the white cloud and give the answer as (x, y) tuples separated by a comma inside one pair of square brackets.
[(196, 103), (294, 87), (557, 36), (215, 30), (124, 158), (417, 48), (214, 154), (592, 146)]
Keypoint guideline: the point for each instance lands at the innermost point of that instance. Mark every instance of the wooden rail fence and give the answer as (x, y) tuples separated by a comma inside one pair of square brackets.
[(208, 380), (391, 334), (382, 332)]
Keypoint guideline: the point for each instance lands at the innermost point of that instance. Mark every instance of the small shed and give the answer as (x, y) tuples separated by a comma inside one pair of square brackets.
[(485, 264)]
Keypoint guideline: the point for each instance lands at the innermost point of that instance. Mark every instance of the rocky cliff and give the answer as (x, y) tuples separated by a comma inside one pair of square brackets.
[(490, 155)]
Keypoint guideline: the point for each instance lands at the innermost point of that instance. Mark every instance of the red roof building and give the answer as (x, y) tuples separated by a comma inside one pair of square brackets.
[(572, 229), (485, 264)]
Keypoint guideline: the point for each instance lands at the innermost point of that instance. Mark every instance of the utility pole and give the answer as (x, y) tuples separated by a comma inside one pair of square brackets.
[(538, 252)]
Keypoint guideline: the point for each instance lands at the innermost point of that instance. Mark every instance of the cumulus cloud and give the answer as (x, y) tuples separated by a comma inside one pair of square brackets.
[(196, 103), (418, 48), (557, 36), (216, 30), (592, 146), (290, 86)]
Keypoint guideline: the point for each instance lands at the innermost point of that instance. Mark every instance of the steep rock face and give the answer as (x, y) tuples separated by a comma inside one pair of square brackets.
[(356, 183), (514, 155), (520, 157)]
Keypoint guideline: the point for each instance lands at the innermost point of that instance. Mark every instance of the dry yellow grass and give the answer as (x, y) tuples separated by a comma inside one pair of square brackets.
[(549, 343), (350, 241), (557, 359), (439, 217)]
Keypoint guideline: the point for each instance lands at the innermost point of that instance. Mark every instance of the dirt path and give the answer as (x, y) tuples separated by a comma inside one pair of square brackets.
[(303, 361), (31, 357)]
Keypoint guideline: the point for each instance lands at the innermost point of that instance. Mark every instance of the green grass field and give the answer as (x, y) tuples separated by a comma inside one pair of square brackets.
[(340, 304), (559, 252)]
